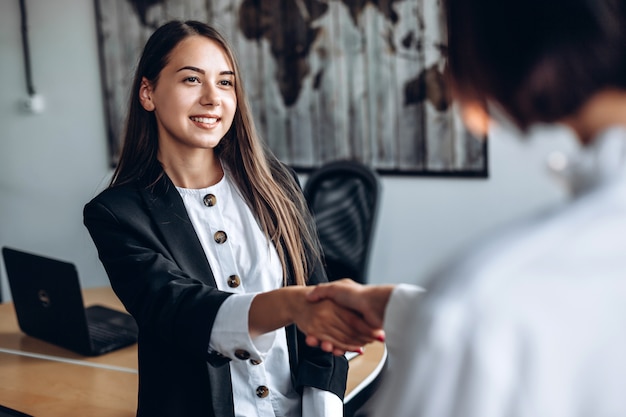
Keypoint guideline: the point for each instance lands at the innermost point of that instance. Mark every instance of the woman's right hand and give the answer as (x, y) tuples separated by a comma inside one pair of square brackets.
[(338, 329)]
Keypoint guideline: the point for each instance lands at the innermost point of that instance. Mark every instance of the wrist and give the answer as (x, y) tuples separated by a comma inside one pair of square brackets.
[(294, 300), (384, 293), (275, 309)]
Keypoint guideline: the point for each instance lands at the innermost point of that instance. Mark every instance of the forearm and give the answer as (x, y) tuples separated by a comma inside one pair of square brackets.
[(275, 309)]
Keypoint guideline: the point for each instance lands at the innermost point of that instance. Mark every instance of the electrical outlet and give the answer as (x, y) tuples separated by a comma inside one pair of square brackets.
[(34, 104)]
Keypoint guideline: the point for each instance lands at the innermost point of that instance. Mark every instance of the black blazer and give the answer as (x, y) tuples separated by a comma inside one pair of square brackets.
[(158, 269)]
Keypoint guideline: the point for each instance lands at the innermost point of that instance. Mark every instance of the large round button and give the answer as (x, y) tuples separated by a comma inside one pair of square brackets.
[(242, 354), (262, 391), (233, 281), (220, 237), (209, 200)]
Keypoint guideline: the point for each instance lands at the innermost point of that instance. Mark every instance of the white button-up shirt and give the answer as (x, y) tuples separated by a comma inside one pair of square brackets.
[(247, 254), (529, 324)]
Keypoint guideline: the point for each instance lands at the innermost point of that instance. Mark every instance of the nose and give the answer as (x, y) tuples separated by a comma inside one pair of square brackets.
[(210, 96)]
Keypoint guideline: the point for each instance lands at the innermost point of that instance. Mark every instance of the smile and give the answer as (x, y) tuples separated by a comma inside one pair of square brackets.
[(206, 120)]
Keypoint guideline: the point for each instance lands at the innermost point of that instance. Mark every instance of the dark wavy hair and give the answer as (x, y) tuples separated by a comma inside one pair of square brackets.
[(540, 60), (266, 184)]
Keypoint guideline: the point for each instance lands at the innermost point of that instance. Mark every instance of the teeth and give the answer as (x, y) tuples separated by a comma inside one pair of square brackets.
[(208, 120)]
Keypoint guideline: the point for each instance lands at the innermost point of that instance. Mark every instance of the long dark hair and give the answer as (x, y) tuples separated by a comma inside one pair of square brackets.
[(539, 59), (266, 184)]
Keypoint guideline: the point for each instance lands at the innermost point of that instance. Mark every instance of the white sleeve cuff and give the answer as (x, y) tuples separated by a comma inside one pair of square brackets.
[(319, 403), (400, 308), (231, 336)]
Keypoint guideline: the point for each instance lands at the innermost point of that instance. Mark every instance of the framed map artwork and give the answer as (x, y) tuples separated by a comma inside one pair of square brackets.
[(327, 80)]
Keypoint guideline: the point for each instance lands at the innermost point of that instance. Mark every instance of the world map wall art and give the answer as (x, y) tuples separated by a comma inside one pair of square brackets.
[(327, 80)]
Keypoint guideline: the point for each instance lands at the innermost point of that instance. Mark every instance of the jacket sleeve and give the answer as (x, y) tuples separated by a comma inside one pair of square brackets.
[(169, 305)]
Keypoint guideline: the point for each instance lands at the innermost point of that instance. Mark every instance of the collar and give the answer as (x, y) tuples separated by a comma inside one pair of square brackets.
[(600, 164)]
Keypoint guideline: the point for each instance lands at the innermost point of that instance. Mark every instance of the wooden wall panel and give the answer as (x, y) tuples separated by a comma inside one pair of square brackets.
[(326, 80)]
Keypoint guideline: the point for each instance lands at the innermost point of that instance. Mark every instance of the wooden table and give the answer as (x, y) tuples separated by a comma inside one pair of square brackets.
[(42, 379)]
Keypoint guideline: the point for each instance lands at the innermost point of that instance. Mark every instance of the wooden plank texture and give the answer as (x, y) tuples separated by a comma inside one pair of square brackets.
[(326, 80)]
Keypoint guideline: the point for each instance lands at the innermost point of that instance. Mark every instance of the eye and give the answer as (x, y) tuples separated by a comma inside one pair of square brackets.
[(226, 83), (192, 79)]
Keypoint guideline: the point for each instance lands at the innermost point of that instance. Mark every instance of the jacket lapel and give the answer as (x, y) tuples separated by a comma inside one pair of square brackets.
[(170, 216)]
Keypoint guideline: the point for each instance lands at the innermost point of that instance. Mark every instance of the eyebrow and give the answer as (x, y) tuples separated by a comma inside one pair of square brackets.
[(201, 71)]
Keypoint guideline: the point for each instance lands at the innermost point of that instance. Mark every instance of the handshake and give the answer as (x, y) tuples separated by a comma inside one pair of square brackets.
[(343, 315)]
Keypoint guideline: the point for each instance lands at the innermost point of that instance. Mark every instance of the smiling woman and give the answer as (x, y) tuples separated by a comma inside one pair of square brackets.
[(194, 102), (206, 239)]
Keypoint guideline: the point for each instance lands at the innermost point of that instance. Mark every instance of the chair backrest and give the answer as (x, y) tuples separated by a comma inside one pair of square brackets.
[(343, 198)]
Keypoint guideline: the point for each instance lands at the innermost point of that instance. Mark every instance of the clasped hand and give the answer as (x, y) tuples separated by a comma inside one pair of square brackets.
[(343, 315)]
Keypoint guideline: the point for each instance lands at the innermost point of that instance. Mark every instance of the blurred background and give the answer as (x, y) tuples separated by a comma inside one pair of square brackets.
[(55, 156)]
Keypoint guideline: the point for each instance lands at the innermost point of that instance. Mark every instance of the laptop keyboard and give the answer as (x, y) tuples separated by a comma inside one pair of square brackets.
[(106, 337)]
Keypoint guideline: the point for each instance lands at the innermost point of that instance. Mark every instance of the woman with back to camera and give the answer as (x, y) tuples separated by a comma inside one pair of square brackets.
[(203, 234), (530, 322)]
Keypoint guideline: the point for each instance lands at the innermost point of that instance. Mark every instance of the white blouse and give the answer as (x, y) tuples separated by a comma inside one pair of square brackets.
[(245, 263)]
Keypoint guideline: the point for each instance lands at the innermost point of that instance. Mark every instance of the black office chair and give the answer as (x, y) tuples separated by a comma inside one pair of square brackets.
[(343, 198)]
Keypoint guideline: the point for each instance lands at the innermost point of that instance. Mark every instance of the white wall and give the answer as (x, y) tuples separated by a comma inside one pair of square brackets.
[(51, 163), (54, 162)]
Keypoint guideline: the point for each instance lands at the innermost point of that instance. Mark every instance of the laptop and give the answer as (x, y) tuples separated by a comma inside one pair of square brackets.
[(10, 412), (49, 306)]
